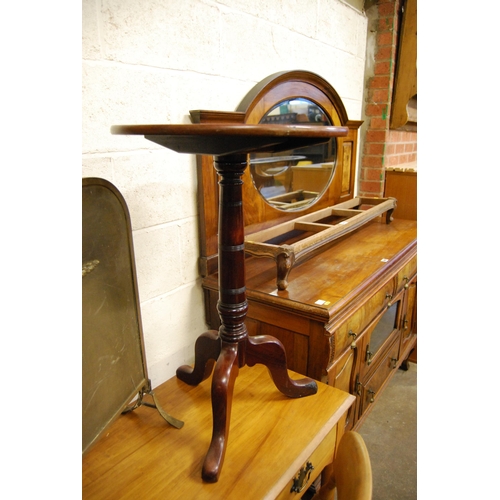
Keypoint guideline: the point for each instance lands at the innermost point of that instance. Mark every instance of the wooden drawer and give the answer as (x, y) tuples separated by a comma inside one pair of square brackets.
[(372, 387), (406, 273), (351, 329), (340, 376), (319, 459)]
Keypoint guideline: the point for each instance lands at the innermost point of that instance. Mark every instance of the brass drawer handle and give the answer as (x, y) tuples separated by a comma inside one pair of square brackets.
[(353, 335), (300, 482), (369, 355), (405, 278), (388, 296), (359, 386), (372, 399), (394, 362)]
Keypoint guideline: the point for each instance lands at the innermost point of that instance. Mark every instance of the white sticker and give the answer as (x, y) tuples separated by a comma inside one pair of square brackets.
[(322, 302), (384, 260)]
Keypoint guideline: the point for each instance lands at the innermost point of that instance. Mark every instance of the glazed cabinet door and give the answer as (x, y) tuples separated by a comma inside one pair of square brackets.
[(380, 334)]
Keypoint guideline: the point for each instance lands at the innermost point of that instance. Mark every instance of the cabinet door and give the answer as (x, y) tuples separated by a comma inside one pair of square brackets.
[(379, 334), (409, 319)]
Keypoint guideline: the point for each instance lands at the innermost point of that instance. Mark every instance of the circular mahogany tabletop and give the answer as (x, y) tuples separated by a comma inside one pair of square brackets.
[(222, 139)]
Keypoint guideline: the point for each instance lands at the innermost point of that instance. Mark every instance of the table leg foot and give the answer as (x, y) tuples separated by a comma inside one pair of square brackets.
[(207, 349), (225, 373), (270, 352)]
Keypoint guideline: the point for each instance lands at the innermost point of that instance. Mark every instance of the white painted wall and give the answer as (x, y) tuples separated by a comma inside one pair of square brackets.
[(151, 61)]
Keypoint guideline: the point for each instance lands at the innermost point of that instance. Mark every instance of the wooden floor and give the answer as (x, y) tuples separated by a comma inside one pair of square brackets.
[(390, 433)]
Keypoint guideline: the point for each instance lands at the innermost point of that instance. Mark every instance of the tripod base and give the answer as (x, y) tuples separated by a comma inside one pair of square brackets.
[(228, 357)]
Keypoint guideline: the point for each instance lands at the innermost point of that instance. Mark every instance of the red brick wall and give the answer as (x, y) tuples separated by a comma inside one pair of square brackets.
[(382, 147)]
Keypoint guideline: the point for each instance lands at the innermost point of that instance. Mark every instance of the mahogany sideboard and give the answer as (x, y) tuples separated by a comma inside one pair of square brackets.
[(274, 438), (348, 316)]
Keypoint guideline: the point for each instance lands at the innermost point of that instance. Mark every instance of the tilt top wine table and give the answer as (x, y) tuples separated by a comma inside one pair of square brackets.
[(231, 347)]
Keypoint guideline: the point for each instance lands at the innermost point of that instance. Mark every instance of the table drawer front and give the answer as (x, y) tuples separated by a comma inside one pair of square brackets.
[(319, 459), (406, 274), (353, 327)]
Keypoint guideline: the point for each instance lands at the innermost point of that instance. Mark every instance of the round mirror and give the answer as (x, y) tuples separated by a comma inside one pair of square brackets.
[(295, 179)]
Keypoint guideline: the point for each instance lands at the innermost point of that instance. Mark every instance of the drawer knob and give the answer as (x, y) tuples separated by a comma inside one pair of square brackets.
[(300, 482), (394, 362), (389, 296), (405, 278)]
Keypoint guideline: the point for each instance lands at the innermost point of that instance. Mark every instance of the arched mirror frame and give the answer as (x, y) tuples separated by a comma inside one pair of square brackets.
[(265, 96), (259, 100)]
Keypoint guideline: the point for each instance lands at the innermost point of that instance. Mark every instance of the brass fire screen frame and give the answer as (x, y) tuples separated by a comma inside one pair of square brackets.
[(114, 370)]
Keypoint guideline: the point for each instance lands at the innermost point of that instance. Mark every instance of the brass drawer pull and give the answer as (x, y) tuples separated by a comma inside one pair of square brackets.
[(300, 482), (389, 296), (369, 355), (353, 335), (359, 386), (405, 278), (394, 362), (372, 399)]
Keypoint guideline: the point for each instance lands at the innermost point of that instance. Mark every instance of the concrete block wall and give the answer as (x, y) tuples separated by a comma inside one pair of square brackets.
[(153, 61)]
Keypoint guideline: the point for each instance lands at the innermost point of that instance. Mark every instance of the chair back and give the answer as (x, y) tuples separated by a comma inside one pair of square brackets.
[(353, 471)]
